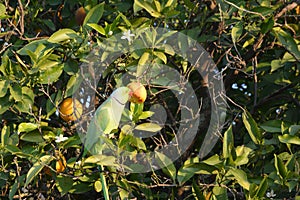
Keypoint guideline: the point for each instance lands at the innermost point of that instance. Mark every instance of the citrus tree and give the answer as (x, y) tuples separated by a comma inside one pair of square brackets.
[(89, 89)]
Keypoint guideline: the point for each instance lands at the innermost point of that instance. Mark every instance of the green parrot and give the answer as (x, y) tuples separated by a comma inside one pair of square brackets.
[(106, 118)]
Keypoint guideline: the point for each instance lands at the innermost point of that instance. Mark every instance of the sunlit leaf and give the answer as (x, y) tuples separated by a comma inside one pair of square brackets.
[(94, 15), (236, 32), (102, 160), (280, 167), (150, 127), (289, 139), (241, 177), (62, 35)]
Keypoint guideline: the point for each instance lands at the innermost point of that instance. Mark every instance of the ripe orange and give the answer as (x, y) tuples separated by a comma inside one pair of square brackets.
[(61, 162), (80, 15), (67, 108), (138, 93)]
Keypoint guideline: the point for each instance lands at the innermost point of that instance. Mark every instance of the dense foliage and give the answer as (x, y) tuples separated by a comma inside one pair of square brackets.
[(256, 47)]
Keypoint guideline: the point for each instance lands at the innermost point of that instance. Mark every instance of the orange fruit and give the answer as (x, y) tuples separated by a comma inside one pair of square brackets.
[(138, 93), (69, 111), (298, 10), (47, 171), (61, 162), (80, 16)]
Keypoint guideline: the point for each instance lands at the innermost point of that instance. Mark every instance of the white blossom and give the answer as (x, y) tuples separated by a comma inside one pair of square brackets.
[(127, 35), (271, 194), (60, 138)]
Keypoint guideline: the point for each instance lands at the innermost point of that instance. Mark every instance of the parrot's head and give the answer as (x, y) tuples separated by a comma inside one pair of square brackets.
[(121, 94)]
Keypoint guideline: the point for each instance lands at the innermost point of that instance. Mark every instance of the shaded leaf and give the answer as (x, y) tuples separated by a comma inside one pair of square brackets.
[(33, 136), (166, 164), (262, 188), (272, 126), (37, 167), (64, 184), (252, 128)]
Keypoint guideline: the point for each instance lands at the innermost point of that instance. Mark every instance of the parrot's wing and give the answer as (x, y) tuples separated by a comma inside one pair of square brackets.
[(107, 118)]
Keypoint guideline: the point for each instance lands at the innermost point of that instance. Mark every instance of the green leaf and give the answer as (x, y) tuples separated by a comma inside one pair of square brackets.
[(3, 87), (79, 187), (228, 143), (161, 56), (267, 25), (236, 32), (73, 84), (37, 167), (94, 15), (142, 64), (5, 135), (2, 11), (150, 127), (13, 190), (252, 128), (276, 64), (16, 92), (27, 127), (242, 154), (220, 193), (39, 47), (197, 191), (249, 42), (263, 10), (240, 176), (33, 136), (146, 114), (102, 160), (64, 184), (97, 28), (287, 41), (142, 4), (50, 71), (294, 129), (272, 126), (62, 35), (280, 167), (187, 171), (213, 160), (166, 164), (26, 103), (289, 139), (262, 189)]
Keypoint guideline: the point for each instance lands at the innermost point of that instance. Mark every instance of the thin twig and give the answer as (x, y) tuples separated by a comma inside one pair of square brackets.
[(21, 17), (245, 10), (254, 63), (286, 9)]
